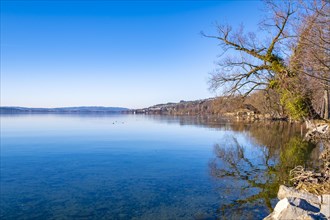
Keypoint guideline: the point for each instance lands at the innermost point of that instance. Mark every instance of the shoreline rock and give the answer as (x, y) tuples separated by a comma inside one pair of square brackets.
[(300, 205)]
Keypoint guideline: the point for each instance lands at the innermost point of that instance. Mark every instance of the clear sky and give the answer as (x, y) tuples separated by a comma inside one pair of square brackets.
[(111, 53)]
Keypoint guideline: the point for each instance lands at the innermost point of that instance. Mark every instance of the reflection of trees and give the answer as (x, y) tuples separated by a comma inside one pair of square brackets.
[(258, 178), (278, 146), (279, 129)]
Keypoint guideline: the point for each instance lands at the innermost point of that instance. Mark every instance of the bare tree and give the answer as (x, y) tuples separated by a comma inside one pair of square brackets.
[(311, 58), (252, 64), (255, 63)]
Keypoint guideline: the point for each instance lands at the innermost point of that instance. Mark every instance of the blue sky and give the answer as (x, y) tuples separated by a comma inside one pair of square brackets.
[(112, 53)]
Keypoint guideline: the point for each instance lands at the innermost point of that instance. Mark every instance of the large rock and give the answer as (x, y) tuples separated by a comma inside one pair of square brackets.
[(287, 192), (295, 208), (299, 205)]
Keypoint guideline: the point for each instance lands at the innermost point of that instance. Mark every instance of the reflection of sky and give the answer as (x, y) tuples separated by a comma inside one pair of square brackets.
[(105, 166), (111, 128)]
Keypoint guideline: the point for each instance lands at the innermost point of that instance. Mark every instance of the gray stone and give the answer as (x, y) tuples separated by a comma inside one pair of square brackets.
[(293, 212), (280, 207), (285, 210), (325, 205), (289, 192), (303, 204), (295, 208)]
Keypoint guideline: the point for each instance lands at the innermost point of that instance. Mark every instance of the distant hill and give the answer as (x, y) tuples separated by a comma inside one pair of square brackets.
[(82, 109), (197, 107), (226, 107)]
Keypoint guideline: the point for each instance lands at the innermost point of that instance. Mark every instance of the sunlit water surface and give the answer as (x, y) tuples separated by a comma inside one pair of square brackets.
[(143, 167)]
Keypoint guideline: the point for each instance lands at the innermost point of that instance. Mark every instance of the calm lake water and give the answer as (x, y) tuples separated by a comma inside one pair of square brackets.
[(144, 167)]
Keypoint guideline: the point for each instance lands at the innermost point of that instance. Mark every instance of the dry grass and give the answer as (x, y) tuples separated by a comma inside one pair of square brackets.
[(315, 188), (311, 181)]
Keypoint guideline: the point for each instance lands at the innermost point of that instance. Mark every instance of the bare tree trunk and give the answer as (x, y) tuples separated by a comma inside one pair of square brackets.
[(322, 107), (326, 104)]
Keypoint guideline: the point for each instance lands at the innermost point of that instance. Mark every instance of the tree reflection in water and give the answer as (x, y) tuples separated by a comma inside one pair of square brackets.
[(253, 168), (256, 173)]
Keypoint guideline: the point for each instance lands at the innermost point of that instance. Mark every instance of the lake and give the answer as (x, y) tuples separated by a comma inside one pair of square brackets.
[(94, 166)]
